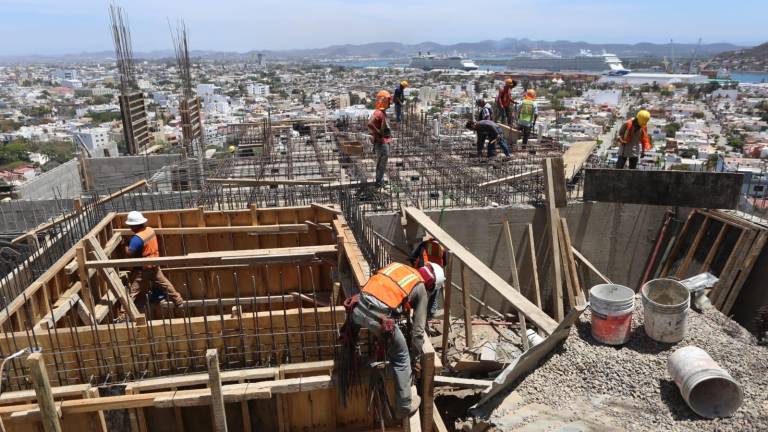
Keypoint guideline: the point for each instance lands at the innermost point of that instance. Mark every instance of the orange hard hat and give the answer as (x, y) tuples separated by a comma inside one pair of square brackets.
[(383, 99), (509, 81), (531, 93)]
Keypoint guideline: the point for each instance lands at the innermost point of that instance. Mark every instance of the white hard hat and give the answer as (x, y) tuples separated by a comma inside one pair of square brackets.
[(439, 275), (135, 218)]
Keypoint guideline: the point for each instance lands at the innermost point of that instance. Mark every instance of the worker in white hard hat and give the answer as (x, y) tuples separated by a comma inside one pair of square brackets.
[(390, 294), (143, 244)]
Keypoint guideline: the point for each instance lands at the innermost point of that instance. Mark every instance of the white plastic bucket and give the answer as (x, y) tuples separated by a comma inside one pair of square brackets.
[(665, 309), (709, 390), (612, 307)]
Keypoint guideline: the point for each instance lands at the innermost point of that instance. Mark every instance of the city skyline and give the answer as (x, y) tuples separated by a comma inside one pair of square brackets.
[(54, 28)]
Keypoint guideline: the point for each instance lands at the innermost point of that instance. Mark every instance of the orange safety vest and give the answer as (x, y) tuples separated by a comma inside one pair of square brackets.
[(643, 139), (151, 248), (433, 252), (393, 284)]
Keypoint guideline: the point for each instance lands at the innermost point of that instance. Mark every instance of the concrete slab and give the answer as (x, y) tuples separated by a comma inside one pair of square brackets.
[(675, 188)]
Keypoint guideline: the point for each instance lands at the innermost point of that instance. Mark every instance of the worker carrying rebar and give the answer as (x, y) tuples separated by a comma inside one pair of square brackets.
[(527, 114), (633, 140), (143, 244), (394, 292), (399, 99), (430, 251), (488, 130), (381, 134), (505, 103)]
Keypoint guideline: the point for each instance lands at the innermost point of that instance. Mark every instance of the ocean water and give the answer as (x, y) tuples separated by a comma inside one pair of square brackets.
[(750, 77)]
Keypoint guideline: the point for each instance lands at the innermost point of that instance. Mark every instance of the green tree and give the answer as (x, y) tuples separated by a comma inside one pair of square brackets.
[(104, 117), (14, 152), (670, 129)]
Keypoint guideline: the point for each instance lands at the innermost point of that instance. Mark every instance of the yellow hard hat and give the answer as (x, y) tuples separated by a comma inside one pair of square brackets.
[(403, 83), (232, 149), (642, 117)]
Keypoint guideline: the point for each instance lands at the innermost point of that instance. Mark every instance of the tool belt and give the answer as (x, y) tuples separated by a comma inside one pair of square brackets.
[(385, 316)]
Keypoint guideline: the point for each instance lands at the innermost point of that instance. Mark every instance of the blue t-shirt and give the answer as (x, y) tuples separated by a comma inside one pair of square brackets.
[(136, 246)]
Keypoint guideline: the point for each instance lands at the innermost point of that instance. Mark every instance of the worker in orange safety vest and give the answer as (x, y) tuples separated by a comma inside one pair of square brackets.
[(633, 140), (393, 292), (430, 251), (143, 244)]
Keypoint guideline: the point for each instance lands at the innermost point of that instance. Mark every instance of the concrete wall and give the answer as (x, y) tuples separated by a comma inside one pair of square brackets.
[(616, 238), (110, 174), (60, 182)]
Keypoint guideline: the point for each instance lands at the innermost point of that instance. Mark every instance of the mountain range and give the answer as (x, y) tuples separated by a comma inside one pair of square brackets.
[(391, 50), (750, 59)]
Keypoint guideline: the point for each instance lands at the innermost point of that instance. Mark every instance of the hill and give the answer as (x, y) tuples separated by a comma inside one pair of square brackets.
[(750, 59)]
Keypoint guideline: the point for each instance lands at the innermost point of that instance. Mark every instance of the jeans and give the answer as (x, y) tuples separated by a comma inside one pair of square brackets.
[(502, 144), (432, 304), (480, 144), (503, 113), (622, 160), (398, 111), (397, 355), (382, 155)]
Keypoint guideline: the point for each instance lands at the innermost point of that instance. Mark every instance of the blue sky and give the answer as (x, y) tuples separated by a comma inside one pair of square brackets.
[(73, 26)]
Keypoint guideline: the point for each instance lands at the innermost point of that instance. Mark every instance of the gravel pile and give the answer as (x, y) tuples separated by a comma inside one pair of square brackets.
[(629, 387)]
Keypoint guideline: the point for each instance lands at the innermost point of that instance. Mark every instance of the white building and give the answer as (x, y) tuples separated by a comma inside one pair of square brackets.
[(206, 92), (257, 89), (71, 83), (97, 141), (61, 74)]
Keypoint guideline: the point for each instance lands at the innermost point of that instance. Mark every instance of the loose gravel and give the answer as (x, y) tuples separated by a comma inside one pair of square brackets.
[(629, 386)]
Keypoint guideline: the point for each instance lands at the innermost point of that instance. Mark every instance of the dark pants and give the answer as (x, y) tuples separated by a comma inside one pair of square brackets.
[(398, 111), (140, 283), (382, 156), (622, 160), (480, 144), (502, 144), (525, 131), (504, 115)]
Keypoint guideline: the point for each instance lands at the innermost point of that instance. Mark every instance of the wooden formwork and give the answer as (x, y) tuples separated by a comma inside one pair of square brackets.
[(261, 293)]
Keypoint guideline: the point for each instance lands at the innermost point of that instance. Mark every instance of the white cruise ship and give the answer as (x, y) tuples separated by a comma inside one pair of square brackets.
[(551, 61), (431, 61)]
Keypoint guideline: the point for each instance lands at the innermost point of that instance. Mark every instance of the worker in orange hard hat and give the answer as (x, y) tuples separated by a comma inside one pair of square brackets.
[(381, 134), (633, 140), (504, 102), (527, 114), (399, 99)]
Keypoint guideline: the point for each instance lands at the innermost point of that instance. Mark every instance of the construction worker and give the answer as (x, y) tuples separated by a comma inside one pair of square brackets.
[(490, 131), (381, 134), (527, 113), (633, 140), (393, 292), (143, 244), (399, 99), (485, 111), (504, 102), (430, 251)]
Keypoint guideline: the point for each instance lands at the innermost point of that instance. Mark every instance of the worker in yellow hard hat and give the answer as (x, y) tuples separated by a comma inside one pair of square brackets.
[(633, 140), (504, 102), (381, 134), (399, 99)]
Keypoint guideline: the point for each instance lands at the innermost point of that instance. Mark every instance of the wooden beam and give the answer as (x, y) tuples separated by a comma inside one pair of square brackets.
[(116, 284), (462, 382), (427, 385), (510, 179), (468, 337), (448, 290), (515, 282), (553, 219), (683, 269), (258, 182), (589, 265), (534, 267), (570, 262), (42, 386), (214, 386), (535, 315), (251, 229), (260, 256), (746, 270)]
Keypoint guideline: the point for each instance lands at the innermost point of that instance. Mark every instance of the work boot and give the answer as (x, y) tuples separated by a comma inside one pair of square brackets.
[(415, 401)]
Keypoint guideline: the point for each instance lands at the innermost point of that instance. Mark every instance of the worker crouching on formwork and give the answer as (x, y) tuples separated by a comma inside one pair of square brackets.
[(389, 295)]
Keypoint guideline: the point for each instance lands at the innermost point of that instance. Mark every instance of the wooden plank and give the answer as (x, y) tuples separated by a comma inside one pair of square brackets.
[(570, 262), (515, 282), (39, 376), (259, 229), (427, 385), (331, 209), (467, 383), (137, 417), (116, 284), (567, 277), (468, 337), (728, 274), (535, 315), (683, 269), (553, 220), (534, 267), (93, 392), (589, 265), (714, 249), (746, 270), (439, 424), (575, 157), (261, 256), (214, 386), (260, 182), (448, 290), (678, 245), (510, 179)]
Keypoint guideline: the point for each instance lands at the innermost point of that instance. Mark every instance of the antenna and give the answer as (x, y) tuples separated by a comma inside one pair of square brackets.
[(674, 59), (693, 58)]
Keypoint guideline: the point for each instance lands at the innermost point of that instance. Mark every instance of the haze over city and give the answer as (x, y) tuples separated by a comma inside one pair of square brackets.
[(53, 27)]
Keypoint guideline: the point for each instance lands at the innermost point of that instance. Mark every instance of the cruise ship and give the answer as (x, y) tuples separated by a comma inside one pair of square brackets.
[(546, 60), (431, 61)]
